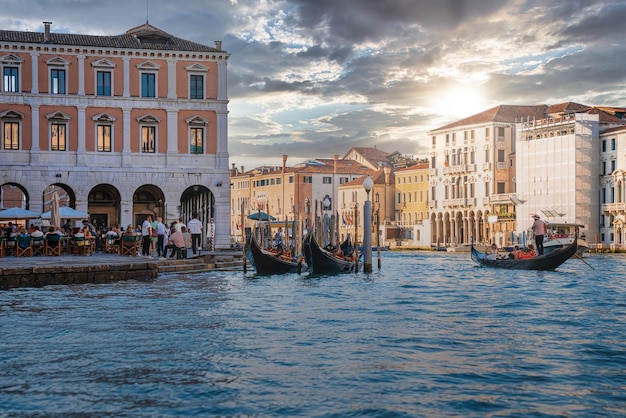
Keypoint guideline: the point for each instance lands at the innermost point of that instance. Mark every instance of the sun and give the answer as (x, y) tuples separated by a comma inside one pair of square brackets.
[(461, 100)]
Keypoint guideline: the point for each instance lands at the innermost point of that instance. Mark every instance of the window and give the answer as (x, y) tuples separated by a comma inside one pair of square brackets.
[(327, 180), (57, 80), (501, 188), (196, 87), (11, 135), (104, 138), (103, 80), (487, 189), (307, 179), (10, 80), (197, 140), (58, 136), (148, 139), (612, 166), (290, 179), (343, 180), (603, 168), (604, 145), (612, 144), (500, 155), (148, 85), (58, 130)]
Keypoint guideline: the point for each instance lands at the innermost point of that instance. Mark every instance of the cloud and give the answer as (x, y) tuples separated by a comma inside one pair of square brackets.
[(312, 78)]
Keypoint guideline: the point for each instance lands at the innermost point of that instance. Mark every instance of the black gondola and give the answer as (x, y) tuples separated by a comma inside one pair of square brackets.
[(321, 261), (541, 262), (265, 262)]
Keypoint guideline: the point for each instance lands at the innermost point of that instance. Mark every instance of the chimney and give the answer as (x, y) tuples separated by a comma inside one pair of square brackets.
[(242, 169), (218, 45), (46, 33), (335, 159), (284, 162)]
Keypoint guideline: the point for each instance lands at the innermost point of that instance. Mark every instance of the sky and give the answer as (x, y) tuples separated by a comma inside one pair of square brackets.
[(313, 78)]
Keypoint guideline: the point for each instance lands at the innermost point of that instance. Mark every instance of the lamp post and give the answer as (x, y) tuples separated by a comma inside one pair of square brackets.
[(368, 184), (325, 228)]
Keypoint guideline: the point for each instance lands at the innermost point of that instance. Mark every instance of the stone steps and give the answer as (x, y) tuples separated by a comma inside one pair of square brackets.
[(200, 266)]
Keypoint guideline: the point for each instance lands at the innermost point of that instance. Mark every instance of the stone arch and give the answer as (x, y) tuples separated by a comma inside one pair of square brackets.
[(104, 203)]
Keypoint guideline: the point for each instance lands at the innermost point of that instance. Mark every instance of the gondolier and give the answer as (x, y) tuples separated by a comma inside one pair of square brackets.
[(539, 230)]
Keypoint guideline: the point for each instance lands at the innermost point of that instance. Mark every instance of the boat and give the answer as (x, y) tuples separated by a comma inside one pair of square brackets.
[(272, 262), (541, 262), (562, 234), (325, 261), (465, 248)]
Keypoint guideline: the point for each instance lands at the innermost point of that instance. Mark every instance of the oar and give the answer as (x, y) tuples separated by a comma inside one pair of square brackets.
[(576, 254)]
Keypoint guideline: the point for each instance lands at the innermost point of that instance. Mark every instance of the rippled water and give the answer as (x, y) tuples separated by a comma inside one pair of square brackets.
[(428, 335)]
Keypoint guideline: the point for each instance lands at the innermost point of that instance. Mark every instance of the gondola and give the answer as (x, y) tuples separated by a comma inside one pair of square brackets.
[(541, 262), (322, 261), (266, 262)]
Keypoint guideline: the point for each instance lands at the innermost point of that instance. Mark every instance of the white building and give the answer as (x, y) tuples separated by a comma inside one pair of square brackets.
[(559, 167)]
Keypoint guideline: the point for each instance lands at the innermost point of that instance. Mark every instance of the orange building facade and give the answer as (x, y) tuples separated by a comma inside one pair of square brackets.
[(125, 126)]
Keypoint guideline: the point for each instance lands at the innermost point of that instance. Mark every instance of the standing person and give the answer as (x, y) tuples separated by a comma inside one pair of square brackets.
[(539, 230), (153, 236), (161, 231), (146, 232), (195, 229)]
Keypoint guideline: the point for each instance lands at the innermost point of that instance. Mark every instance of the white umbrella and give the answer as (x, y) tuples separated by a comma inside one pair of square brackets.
[(67, 212), (55, 213), (17, 213)]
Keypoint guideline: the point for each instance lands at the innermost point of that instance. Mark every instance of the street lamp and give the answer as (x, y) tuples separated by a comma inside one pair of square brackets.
[(325, 229), (368, 184)]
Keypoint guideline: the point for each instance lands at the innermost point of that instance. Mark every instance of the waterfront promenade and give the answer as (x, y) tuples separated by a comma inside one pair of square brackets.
[(103, 268)]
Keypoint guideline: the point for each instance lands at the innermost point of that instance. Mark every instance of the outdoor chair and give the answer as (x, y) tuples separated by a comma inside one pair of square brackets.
[(129, 244), (80, 246), (9, 246), (23, 246), (53, 245), (38, 245)]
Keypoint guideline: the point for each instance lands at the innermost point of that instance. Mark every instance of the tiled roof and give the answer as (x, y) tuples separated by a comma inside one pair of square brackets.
[(378, 177), (418, 166), (615, 129), (501, 113), (144, 36)]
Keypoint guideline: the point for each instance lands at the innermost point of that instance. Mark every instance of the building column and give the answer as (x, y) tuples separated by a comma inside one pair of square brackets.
[(81, 74), (172, 137), (81, 151), (221, 160), (171, 78), (126, 73), (222, 92), (127, 160), (34, 147), (34, 74)]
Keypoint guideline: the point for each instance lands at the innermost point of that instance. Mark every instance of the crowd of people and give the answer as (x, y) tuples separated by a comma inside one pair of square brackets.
[(157, 239)]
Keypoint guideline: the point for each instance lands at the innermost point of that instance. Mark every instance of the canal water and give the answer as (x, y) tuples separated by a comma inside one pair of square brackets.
[(428, 335)]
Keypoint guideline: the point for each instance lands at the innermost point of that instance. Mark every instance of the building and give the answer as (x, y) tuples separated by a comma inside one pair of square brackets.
[(612, 229), (287, 192), (127, 125), (472, 195), (412, 188), (567, 169)]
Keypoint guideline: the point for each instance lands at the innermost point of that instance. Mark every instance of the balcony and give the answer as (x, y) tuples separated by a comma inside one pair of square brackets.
[(614, 208), (459, 203)]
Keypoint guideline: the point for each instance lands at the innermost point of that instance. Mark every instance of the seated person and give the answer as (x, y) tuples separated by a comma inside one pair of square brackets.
[(177, 243), (492, 252), (513, 254), (23, 234), (528, 253), (37, 235)]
